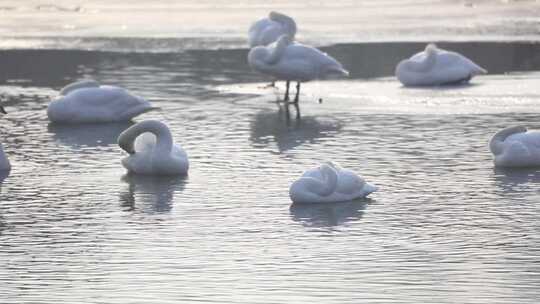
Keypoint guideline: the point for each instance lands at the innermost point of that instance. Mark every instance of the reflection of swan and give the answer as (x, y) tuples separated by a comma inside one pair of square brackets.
[(436, 66), (267, 126), (512, 180), (515, 147), (329, 183), (268, 30), (291, 61), (4, 161), (156, 192), (88, 102), (327, 215), (90, 135), (153, 152)]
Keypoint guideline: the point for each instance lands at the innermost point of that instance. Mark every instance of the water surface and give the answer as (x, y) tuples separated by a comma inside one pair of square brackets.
[(445, 226)]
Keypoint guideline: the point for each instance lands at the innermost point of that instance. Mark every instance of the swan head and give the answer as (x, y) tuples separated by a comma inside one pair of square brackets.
[(431, 48)]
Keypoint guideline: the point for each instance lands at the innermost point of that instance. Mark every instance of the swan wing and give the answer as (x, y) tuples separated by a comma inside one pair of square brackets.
[(349, 182), (108, 103)]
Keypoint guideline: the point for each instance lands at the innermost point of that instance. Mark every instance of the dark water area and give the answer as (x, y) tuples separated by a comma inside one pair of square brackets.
[(54, 68)]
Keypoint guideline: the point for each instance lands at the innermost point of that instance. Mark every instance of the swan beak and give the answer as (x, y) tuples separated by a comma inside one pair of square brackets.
[(2, 110)]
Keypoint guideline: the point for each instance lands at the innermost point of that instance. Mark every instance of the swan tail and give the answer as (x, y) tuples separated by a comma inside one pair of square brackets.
[(337, 70), (369, 188), (496, 144), (478, 70)]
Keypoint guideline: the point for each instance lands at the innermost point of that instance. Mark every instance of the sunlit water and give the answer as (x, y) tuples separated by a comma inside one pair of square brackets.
[(445, 227)]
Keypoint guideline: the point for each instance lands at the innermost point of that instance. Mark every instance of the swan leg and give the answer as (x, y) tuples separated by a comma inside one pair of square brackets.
[(287, 85), (296, 99)]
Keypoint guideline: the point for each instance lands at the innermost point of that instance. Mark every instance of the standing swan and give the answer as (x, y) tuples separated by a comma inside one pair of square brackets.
[(436, 66), (268, 30), (515, 147), (291, 61), (329, 183), (88, 102), (152, 154), (4, 161)]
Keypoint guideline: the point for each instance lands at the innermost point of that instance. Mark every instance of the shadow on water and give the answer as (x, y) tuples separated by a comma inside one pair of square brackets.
[(270, 126), (326, 215), (151, 194), (3, 175), (89, 135), (513, 180)]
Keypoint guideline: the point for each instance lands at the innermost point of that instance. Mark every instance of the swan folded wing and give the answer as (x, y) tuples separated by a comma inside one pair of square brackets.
[(296, 69), (349, 182)]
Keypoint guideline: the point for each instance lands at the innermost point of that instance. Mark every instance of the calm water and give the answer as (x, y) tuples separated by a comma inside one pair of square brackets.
[(445, 226)]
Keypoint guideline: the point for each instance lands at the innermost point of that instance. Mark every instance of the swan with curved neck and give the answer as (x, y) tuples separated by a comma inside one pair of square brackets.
[(88, 102), (516, 147), (291, 61), (435, 66), (269, 29), (154, 153), (329, 183), (4, 161)]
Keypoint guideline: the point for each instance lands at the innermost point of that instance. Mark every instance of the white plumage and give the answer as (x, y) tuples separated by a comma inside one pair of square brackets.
[(269, 29), (436, 66), (152, 151), (88, 102), (516, 147), (329, 183)]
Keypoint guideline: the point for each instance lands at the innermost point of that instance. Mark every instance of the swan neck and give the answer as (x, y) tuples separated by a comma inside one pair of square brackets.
[(164, 141), (278, 51), (496, 144), (330, 178)]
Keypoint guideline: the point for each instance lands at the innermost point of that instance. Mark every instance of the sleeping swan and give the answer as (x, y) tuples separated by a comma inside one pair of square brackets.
[(268, 30), (152, 151), (515, 147), (436, 66), (4, 161), (88, 102), (329, 183)]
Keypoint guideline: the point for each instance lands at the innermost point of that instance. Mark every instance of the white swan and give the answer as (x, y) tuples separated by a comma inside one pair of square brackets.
[(515, 147), (4, 161), (88, 102), (152, 154), (436, 66), (268, 30), (291, 61), (329, 183)]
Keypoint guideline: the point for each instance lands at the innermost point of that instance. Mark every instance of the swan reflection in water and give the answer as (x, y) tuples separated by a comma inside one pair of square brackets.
[(270, 126), (516, 179), (151, 194), (323, 215), (87, 135)]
